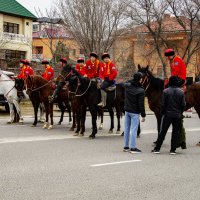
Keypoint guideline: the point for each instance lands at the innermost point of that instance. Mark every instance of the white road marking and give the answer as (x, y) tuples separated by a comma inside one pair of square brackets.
[(35, 139), (115, 163)]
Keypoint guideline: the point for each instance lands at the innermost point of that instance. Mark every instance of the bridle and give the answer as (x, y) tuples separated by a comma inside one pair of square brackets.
[(146, 82), (78, 85)]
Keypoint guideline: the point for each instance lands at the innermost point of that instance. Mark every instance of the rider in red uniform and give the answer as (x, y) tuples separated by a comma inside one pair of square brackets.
[(92, 66), (80, 66), (107, 73), (49, 71), (28, 70), (22, 68), (177, 65)]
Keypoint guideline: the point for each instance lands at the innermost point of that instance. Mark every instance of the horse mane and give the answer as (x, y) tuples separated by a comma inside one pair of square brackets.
[(157, 83)]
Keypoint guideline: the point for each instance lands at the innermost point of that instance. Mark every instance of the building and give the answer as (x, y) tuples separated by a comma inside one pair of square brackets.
[(52, 41), (15, 33), (137, 46)]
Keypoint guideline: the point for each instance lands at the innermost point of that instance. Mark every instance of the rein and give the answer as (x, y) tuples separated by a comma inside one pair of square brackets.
[(79, 95), (143, 82), (9, 91)]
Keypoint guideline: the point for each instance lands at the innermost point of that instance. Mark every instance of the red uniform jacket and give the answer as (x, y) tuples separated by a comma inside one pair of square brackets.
[(49, 73), (28, 71), (108, 70), (178, 68), (92, 69), (80, 70), (22, 73)]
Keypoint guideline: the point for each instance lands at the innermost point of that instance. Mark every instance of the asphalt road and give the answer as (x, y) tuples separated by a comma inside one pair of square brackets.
[(54, 165)]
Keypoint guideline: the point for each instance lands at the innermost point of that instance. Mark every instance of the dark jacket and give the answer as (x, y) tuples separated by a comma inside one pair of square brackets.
[(173, 102), (134, 98)]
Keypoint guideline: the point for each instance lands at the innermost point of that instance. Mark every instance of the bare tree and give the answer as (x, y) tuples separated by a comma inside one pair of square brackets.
[(187, 13), (94, 24), (149, 15)]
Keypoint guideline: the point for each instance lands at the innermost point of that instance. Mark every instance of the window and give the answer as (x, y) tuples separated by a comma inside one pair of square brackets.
[(11, 27), (35, 27), (39, 50), (10, 54)]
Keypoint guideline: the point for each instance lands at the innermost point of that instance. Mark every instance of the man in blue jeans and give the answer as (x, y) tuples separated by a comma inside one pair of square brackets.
[(134, 106)]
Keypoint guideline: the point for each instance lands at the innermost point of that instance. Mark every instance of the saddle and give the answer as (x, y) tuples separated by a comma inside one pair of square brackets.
[(111, 88)]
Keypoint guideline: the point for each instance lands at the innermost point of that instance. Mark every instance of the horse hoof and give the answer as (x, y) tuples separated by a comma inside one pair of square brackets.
[(76, 134), (81, 134), (33, 125), (45, 126), (101, 127), (50, 127), (92, 136), (71, 129), (110, 131), (118, 132), (41, 121), (9, 122), (59, 123)]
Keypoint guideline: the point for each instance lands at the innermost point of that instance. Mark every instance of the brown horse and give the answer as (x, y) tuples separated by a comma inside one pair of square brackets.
[(39, 90), (154, 88)]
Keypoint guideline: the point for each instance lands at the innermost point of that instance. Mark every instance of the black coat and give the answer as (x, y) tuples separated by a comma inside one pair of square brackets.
[(173, 102), (134, 98)]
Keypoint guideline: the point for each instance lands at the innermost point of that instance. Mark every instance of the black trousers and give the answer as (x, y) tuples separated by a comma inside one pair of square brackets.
[(106, 83), (166, 122)]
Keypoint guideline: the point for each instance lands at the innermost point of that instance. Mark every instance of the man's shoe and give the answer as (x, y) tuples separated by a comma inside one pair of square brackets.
[(126, 149), (172, 152), (135, 151), (155, 151)]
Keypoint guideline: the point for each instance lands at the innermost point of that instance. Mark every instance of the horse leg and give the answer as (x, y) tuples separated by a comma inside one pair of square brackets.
[(111, 113), (18, 111), (78, 121), (93, 111), (101, 112), (118, 119), (83, 117), (35, 106), (159, 121), (70, 113), (74, 121), (46, 124), (41, 112), (11, 106), (62, 110), (51, 115)]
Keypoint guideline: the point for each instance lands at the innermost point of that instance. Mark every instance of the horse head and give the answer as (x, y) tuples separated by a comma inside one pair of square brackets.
[(29, 85), (19, 84)]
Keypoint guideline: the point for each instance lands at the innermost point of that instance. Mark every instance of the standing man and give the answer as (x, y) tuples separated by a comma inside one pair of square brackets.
[(172, 107), (48, 70), (63, 63), (107, 73), (92, 66), (177, 65), (80, 66), (134, 106)]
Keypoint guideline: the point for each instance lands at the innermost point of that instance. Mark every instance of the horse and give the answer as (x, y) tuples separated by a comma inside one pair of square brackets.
[(20, 86), (154, 87), (39, 91), (87, 89), (7, 87)]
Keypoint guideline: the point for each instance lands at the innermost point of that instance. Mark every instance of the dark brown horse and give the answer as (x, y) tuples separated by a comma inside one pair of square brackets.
[(154, 88), (39, 91)]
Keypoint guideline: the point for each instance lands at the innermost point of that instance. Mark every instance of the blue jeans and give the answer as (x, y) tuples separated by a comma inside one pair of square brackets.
[(130, 129)]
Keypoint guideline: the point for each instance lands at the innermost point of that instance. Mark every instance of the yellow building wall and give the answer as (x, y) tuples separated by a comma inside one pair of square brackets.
[(24, 29), (45, 43)]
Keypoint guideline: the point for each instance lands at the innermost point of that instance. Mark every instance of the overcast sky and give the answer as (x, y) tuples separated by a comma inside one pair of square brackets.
[(31, 5)]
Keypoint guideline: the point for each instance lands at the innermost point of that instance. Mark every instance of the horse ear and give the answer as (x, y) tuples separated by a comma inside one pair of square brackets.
[(139, 67), (147, 67)]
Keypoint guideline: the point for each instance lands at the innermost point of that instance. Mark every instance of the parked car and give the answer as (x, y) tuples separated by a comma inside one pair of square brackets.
[(3, 101)]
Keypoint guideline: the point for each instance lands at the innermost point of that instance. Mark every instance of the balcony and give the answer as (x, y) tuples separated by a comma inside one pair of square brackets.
[(37, 56), (18, 38)]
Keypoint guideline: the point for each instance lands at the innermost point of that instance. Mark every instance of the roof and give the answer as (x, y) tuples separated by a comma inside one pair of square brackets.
[(58, 32), (12, 7)]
